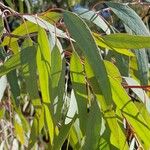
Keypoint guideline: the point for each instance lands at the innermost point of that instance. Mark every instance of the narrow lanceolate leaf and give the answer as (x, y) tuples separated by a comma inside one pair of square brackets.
[(101, 42), (29, 72), (56, 68), (83, 37), (127, 41), (129, 17), (93, 126), (93, 17), (62, 136), (134, 22), (14, 86), (79, 86), (49, 122), (43, 65), (118, 138)]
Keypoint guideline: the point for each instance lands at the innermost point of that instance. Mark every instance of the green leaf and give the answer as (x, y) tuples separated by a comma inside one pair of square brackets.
[(123, 102), (79, 86), (43, 64), (126, 41), (113, 71), (2, 113), (118, 138), (93, 126), (28, 66), (134, 22), (101, 42), (63, 133), (83, 37), (49, 122), (19, 131), (11, 64), (61, 92), (14, 86), (129, 17), (56, 68)]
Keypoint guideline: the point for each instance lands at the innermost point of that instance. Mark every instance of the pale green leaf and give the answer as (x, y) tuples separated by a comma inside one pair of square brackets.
[(79, 86), (49, 122), (104, 44), (43, 64), (126, 41)]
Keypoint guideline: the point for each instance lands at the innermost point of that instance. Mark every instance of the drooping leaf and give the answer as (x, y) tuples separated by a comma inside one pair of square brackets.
[(56, 68), (129, 17), (14, 86), (127, 41), (82, 35), (118, 138), (49, 122), (134, 22), (43, 64), (104, 44), (29, 27), (79, 86), (123, 102), (92, 137), (63, 133)]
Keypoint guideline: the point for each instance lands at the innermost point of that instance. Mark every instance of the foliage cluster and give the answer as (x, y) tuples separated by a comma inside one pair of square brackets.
[(76, 78)]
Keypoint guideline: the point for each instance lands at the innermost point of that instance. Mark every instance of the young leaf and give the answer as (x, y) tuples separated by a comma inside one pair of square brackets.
[(43, 65)]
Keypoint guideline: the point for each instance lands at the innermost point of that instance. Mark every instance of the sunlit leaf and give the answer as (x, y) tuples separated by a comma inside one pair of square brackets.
[(49, 123), (118, 138), (79, 86), (43, 64)]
